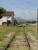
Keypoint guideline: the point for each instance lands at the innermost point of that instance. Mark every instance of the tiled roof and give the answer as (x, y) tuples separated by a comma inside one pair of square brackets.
[(8, 13)]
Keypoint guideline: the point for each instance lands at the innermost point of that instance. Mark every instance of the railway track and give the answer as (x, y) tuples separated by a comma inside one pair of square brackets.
[(19, 41)]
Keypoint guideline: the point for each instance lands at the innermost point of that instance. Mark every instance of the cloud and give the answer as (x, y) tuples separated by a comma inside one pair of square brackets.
[(25, 9), (26, 13)]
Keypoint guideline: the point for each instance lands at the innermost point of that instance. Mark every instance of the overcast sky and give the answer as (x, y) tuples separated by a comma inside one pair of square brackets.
[(26, 9)]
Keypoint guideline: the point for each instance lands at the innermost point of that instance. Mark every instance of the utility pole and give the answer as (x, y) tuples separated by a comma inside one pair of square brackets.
[(37, 23)]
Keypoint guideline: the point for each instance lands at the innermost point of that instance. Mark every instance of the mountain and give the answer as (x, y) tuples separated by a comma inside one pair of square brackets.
[(21, 19)]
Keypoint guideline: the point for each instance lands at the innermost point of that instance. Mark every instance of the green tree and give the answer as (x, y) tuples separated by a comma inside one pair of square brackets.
[(2, 10)]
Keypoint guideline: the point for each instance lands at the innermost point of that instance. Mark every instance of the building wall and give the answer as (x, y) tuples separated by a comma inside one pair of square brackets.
[(8, 15)]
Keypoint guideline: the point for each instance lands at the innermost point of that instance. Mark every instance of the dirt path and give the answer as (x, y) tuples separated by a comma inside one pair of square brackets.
[(32, 41), (19, 43)]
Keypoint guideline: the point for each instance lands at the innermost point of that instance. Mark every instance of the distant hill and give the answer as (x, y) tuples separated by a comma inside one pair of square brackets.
[(21, 20)]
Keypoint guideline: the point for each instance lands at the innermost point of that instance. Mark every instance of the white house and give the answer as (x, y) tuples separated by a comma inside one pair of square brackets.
[(7, 17)]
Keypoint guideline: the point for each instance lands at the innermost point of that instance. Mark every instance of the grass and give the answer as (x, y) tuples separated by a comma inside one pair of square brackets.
[(7, 29), (2, 36)]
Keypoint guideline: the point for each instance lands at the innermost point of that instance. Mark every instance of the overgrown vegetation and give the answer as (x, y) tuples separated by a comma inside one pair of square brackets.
[(2, 36), (6, 29), (2, 10)]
